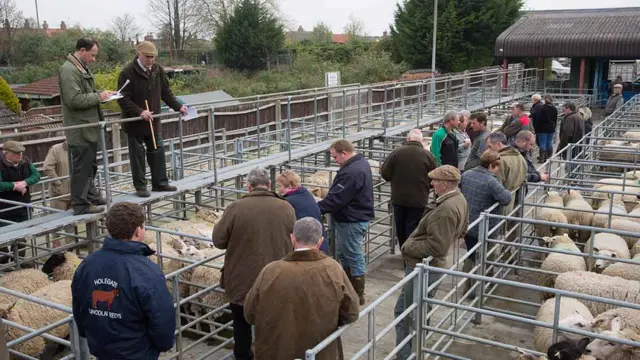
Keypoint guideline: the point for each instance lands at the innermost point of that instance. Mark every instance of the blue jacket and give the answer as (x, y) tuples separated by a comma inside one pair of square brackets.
[(305, 205), (350, 197), (121, 303)]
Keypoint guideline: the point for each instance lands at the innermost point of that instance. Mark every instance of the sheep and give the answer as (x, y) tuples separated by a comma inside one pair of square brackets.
[(171, 265), (627, 225), (627, 183), (569, 350), (632, 134), (620, 151), (604, 286), (625, 270), (573, 314), (629, 318), (605, 349), (37, 316), (321, 180), (23, 281), (574, 203), (601, 218), (560, 263), (609, 245), (61, 266), (629, 199), (633, 175), (553, 215), (206, 276)]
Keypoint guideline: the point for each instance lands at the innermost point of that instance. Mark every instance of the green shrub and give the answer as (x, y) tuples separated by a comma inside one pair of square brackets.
[(8, 97)]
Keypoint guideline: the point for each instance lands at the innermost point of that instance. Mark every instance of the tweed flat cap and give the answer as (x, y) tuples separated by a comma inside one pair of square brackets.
[(617, 86), (13, 146), (147, 48), (445, 173)]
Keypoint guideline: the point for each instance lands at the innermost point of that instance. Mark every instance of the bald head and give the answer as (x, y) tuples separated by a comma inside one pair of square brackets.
[(525, 140), (415, 135)]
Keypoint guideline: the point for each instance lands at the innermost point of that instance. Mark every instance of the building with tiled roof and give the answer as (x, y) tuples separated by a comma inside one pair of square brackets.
[(7, 117), (45, 91)]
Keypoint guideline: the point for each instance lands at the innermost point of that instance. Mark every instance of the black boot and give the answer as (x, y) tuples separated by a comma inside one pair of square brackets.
[(358, 284)]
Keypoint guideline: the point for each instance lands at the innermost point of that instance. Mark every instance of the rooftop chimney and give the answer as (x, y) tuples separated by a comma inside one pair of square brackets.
[(7, 25), (63, 26), (26, 24), (385, 33), (45, 26)]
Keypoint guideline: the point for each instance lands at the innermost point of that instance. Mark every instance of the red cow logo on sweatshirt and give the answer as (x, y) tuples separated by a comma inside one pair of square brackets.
[(103, 296)]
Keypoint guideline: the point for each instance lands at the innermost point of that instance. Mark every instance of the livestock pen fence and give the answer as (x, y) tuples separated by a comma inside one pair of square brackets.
[(498, 321)]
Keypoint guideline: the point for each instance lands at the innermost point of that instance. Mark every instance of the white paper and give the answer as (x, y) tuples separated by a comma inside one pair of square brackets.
[(192, 113), (115, 96)]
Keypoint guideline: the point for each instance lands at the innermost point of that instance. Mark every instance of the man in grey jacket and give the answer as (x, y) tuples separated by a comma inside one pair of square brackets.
[(524, 141), (615, 101), (478, 123), (571, 131)]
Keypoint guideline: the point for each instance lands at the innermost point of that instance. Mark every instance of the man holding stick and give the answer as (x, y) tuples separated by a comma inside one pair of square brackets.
[(142, 97)]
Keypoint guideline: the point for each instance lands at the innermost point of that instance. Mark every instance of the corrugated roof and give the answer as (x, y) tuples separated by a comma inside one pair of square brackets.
[(573, 33), (47, 87), (7, 116)]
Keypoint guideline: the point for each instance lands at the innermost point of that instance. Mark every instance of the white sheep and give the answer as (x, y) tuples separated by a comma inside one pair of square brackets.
[(629, 318), (604, 286), (625, 270), (24, 281), (169, 266), (37, 316), (573, 314), (609, 245), (619, 151), (575, 207), (631, 134), (633, 175), (553, 215), (629, 184), (605, 349), (206, 276), (321, 181), (559, 263), (601, 218), (627, 225), (629, 199), (61, 266)]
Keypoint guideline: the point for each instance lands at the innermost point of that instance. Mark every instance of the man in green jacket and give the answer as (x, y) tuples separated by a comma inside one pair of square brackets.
[(81, 106), (444, 145)]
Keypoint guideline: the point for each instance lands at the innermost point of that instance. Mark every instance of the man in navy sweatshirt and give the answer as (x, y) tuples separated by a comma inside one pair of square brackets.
[(120, 298)]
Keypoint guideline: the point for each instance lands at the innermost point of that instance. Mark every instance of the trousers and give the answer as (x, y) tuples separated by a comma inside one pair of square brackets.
[(407, 220), (155, 158), (84, 167), (349, 243), (242, 334)]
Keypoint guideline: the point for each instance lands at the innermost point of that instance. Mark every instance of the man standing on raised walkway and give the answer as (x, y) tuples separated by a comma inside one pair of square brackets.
[(81, 106), (142, 97)]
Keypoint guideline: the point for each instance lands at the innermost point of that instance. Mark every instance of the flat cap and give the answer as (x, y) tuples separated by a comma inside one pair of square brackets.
[(489, 157), (13, 146), (618, 86), (445, 173), (147, 48)]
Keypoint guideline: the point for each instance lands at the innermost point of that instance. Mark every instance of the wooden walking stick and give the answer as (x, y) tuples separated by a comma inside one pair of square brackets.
[(153, 136)]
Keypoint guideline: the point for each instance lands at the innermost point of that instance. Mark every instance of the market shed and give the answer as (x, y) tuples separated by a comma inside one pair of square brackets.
[(591, 37)]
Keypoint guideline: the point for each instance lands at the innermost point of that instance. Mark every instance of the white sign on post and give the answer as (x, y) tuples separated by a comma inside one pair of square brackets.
[(332, 79)]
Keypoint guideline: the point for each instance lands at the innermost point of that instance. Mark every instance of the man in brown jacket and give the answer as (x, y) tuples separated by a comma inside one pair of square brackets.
[(407, 168), (298, 301), (147, 84), (571, 131), (513, 168), (444, 222), (56, 168), (255, 231)]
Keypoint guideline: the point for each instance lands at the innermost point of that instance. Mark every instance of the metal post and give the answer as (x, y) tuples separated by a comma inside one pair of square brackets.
[(392, 240), (556, 318), (180, 134), (359, 110), (483, 236), (433, 51), (105, 163), (289, 127), (418, 297), (213, 143), (92, 235), (315, 118), (419, 113), (258, 127), (484, 85), (344, 115)]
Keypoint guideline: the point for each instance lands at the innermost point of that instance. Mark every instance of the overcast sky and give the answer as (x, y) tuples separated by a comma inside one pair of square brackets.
[(375, 14)]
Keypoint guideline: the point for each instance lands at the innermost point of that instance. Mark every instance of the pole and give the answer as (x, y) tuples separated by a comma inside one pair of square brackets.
[(433, 50), (37, 15)]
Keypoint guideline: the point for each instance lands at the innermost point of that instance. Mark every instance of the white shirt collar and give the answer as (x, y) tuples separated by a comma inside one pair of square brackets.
[(302, 249), (142, 66)]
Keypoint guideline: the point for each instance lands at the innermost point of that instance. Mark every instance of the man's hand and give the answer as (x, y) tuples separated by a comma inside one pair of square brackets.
[(544, 177), (20, 186), (184, 110), (105, 95), (147, 115)]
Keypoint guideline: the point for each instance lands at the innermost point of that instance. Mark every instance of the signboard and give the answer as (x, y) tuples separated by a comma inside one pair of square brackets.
[(332, 79)]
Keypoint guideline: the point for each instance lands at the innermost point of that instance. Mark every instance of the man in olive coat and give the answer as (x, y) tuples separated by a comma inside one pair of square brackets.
[(81, 106), (147, 83), (255, 231), (306, 287)]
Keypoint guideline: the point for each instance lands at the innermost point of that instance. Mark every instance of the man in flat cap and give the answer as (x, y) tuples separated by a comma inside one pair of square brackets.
[(81, 106), (147, 83), (17, 174), (615, 101), (444, 221)]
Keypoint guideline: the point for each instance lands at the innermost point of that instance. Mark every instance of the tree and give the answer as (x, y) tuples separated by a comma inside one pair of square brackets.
[(12, 20), (354, 28), (214, 13), (180, 18), (322, 33), (31, 47), (251, 36), (465, 36), (125, 27), (8, 97)]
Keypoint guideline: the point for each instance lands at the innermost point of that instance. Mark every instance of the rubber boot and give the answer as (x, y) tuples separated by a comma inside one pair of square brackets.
[(466, 267), (358, 284)]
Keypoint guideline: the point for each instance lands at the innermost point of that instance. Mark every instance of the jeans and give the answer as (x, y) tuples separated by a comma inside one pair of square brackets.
[(545, 141), (349, 243), (407, 220), (155, 158), (471, 241), (242, 335), (403, 328), (84, 167)]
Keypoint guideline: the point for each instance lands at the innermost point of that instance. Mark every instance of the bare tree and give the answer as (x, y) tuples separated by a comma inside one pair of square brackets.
[(125, 27), (12, 19), (322, 33), (179, 18), (214, 13), (355, 27)]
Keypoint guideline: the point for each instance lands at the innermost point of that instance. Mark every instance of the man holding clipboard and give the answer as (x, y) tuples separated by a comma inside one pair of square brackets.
[(142, 97)]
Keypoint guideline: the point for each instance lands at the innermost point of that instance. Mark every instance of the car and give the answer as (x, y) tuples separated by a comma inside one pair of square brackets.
[(559, 71)]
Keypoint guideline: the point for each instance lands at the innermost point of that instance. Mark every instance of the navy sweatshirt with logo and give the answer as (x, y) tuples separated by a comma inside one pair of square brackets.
[(121, 303)]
